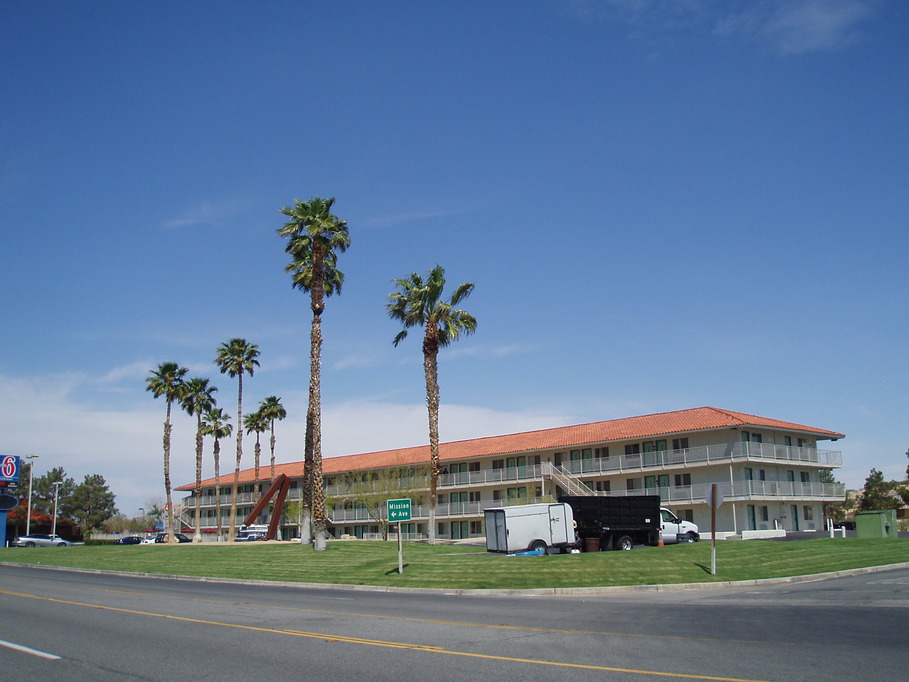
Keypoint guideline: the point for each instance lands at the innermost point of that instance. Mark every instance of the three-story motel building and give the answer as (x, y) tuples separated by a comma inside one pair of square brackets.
[(771, 473)]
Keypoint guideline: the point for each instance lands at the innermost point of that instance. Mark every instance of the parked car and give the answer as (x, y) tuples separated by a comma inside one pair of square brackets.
[(179, 537), (129, 540), (41, 540)]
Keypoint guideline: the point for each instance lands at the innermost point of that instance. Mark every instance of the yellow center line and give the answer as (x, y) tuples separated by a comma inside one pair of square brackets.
[(376, 642), (499, 626)]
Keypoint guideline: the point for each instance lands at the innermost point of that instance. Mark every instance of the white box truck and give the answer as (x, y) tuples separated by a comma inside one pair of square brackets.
[(529, 527)]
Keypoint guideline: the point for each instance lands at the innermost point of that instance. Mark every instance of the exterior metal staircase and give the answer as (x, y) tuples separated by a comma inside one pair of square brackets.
[(565, 479)]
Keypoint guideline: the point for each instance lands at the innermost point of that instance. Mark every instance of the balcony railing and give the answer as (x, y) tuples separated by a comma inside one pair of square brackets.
[(617, 464), (743, 490)]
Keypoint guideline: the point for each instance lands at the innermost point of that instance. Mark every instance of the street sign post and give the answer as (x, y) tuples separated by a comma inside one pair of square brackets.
[(714, 500), (399, 512)]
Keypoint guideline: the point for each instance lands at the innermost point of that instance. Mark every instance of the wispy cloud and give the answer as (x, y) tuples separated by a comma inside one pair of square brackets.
[(207, 214), (815, 25), (408, 217), (788, 27)]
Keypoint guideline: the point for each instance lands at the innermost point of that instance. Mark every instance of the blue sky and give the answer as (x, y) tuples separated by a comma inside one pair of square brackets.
[(663, 205)]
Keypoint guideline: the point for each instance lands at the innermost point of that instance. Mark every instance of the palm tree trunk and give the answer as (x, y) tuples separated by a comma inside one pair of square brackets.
[(430, 368), (232, 528), (170, 506), (218, 485), (271, 442), (197, 536), (258, 455), (315, 410)]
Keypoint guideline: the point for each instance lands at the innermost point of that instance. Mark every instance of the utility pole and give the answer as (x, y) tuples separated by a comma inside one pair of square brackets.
[(56, 485), (31, 471)]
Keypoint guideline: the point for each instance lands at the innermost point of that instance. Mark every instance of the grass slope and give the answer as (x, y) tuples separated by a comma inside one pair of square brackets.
[(464, 567)]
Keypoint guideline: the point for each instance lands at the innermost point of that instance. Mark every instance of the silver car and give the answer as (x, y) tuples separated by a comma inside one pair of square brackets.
[(41, 540)]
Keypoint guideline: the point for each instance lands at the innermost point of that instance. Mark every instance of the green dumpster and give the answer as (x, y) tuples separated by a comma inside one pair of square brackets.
[(876, 524)]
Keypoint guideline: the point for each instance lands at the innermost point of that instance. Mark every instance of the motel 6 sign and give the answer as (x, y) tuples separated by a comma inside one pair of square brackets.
[(9, 475), (9, 469)]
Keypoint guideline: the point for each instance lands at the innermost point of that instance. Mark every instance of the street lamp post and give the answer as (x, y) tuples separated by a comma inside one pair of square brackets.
[(56, 485), (31, 471)]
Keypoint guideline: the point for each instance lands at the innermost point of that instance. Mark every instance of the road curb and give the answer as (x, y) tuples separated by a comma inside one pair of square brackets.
[(533, 592)]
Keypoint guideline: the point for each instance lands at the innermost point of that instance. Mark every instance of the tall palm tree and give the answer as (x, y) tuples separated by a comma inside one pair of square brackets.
[(216, 423), (235, 358), (272, 409), (198, 398), (254, 422), (315, 238), (419, 303), (167, 381)]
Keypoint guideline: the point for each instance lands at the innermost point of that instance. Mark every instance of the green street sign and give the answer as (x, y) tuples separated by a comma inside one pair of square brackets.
[(398, 510)]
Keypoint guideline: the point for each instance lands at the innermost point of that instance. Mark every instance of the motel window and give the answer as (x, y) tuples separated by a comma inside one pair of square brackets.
[(763, 513), (474, 496), (787, 441), (498, 464), (682, 480), (601, 453), (654, 446), (809, 513), (679, 443), (806, 477), (633, 449), (602, 486), (473, 466), (496, 494), (632, 483), (476, 527)]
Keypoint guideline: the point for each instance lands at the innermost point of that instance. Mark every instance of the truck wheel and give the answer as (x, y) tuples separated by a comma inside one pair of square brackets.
[(689, 537), (624, 543), (537, 545)]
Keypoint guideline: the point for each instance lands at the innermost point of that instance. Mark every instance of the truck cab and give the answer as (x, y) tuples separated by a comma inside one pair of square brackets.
[(675, 530)]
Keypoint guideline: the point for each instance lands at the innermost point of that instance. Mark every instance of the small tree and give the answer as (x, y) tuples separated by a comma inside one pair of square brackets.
[(371, 490), (91, 503), (878, 493)]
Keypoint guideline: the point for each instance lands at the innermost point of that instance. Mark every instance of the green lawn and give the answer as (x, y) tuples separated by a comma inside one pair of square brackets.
[(464, 567)]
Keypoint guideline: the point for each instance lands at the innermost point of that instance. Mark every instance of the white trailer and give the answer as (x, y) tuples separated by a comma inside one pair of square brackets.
[(529, 527)]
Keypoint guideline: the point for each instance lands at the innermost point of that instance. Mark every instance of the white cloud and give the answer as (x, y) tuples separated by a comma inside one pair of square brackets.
[(207, 213), (790, 27), (814, 25)]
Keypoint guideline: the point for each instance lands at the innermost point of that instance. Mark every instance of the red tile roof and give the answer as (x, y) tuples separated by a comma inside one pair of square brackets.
[(629, 428)]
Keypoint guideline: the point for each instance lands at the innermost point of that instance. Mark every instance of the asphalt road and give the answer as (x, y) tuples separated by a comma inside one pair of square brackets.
[(58, 625)]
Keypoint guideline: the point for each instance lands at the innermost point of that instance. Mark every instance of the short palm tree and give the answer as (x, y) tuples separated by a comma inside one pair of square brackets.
[(235, 358), (419, 303), (315, 237), (254, 422), (167, 381), (198, 399), (216, 423), (272, 409)]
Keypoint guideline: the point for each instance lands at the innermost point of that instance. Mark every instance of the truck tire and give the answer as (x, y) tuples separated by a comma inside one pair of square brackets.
[(688, 537), (624, 543), (537, 545)]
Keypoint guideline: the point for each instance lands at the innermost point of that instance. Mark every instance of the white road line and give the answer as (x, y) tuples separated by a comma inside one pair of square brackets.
[(28, 650)]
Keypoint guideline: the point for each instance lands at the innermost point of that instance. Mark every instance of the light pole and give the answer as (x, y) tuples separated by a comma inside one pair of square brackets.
[(56, 485), (31, 470)]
